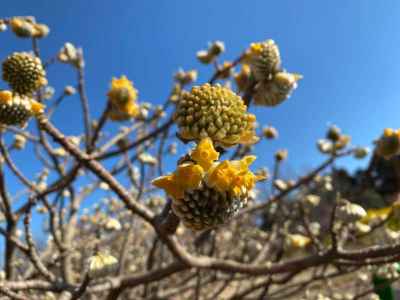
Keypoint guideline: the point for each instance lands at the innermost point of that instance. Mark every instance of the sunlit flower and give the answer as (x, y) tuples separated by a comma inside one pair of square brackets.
[(215, 112), (17, 109), (207, 193), (388, 144), (122, 96), (204, 154)]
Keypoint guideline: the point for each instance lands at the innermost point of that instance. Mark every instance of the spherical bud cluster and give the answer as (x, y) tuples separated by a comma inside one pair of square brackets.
[(270, 132), (206, 193), (275, 91), (25, 27), (208, 56), (281, 155), (349, 212), (334, 141), (19, 142), (311, 200), (48, 93), (101, 264), (280, 185), (215, 112), (17, 109), (24, 73), (333, 134), (69, 90), (148, 159), (264, 59), (296, 241), (69, 54), (184, 78), (273, 85), (361, 152), (112, 224), (388, 144)]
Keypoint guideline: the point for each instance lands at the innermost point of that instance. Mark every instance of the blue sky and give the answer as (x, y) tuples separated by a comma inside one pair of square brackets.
[(347, 51)]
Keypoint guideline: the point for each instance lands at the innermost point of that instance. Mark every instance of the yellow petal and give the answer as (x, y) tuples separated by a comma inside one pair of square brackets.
[(189, 176), (169, 184), (37, 108), (5, 97), (204, 154), (221, 177)]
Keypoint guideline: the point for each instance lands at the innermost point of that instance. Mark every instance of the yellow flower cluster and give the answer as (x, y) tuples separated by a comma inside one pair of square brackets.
[(122, 96), (17, 109), (233, 177), (388, 144)]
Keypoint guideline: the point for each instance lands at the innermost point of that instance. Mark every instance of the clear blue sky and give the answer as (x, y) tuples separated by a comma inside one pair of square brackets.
[(348, 52)]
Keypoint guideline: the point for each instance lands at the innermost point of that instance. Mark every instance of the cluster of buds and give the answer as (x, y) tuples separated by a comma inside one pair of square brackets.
[(25, 74), (273, 84), (215, 112), (388, 144), (281, 155), (270, 132), (184, 78), (294, 241), (69, 54), (26, 27), (209, 55), (122, 96), (101, 264), (348, 212), (19, 142), (206, 193), (16, 109), (334, 141)]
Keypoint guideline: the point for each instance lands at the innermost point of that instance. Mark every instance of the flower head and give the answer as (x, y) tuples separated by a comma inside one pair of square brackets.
[(24, 73), (264, 59), (215, 112), (17, 109), (388, 144), (122, 96), (206, 192)]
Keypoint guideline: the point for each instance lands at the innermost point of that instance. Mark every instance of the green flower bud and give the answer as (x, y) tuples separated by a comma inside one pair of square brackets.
[(24, 73), (215, 112), (275, 91), (206, 207)]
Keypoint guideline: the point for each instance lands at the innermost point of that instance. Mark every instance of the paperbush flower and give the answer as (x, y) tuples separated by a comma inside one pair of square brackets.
[(101, 264), (388, 144), (274, 91), (122, 96), (207, 193), (215, 112), (16, 109), (264, 59), (27, 28), (24, 73)]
